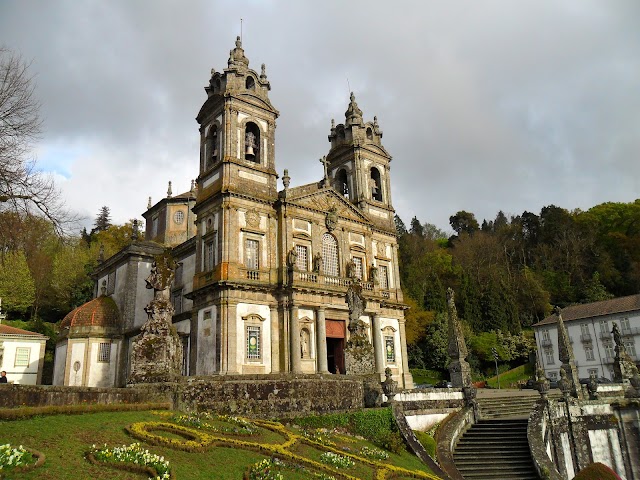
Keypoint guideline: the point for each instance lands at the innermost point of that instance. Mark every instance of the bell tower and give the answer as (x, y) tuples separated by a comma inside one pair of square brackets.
[(237, 132), (358, 165)]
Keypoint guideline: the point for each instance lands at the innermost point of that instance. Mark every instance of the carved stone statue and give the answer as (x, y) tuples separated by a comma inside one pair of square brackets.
[(358, 355), (292, 257), (161, 276), (356, 302), (304, 343), (624, 368), (351, 269), (617, 337), (317, 263), (373, 274)]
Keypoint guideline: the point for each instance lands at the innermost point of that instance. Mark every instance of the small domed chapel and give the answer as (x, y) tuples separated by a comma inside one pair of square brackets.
[(262, 272)]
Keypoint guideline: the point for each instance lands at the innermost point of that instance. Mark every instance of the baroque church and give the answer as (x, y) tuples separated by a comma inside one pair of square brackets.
[(262, 272)]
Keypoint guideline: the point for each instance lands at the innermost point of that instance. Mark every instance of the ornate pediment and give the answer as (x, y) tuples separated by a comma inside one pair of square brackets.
[(328, 201)]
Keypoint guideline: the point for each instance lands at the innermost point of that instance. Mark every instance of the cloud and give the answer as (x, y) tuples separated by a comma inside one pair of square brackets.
[(484, 106)]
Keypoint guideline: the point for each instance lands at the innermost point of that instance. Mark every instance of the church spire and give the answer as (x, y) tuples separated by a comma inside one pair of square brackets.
[(236, 56), (353, 115)]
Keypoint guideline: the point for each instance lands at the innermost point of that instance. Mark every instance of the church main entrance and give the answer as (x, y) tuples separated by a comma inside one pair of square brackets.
[(335, 346)]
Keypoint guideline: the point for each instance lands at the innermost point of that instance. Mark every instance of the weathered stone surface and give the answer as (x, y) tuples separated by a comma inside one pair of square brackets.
[(459, 369), (565, 353)]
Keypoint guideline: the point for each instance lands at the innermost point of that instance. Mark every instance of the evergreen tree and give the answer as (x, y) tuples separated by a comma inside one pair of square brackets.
[(103, 220), (401, 229), (416, 227)]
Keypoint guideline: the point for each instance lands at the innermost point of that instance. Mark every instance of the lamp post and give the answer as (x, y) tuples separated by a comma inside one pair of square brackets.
[(495, 357)]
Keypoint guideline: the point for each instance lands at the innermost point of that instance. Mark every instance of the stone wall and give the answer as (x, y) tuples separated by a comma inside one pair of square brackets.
[(275, 396), (47, 395), (566, 437)]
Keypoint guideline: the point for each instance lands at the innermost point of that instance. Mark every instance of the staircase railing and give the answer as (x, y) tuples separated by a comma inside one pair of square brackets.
[(450, 430), (537, 430)]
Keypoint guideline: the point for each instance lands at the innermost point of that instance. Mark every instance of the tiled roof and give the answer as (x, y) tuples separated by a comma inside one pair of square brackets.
[(99, 312), (596, 309), (7, 330)]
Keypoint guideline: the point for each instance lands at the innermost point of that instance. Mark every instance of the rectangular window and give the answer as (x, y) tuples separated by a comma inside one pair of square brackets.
[(584, 329), (604, 326), (593, 372), (384, 277), (209, 255), (545, 336), (390, 349), (357, 261), (588, 351), (608, 350), (104, 352), (553, 375), (625, 326), (177, 301), (154, 226), (178, 275), (111, 283), (22, 356), (630, 346), (549, 356), (253, 343), (302, 259), (251, 250)]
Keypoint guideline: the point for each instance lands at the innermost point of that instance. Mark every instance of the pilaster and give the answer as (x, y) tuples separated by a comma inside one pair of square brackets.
[(376, 336), (321, 341), (406, 374), (275, 339), (296, 364)]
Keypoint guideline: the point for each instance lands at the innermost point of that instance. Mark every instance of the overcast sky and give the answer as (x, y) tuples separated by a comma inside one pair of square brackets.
[(485, 105)]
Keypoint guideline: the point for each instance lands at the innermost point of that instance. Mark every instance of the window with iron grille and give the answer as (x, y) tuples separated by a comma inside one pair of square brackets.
[(104, 352), (251, 250), (384, 277), (588, 351), (330, 255), (357, 261), (22, 356), (253, 342), (302, 260)]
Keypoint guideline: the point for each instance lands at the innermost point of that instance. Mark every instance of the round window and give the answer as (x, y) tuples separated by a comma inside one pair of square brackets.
[(178, 217)]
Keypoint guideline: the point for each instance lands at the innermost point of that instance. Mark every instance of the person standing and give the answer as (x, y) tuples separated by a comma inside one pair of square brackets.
[(3, 377)]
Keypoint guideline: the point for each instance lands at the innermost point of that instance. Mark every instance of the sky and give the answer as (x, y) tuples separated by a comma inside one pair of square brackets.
[(485, 106)]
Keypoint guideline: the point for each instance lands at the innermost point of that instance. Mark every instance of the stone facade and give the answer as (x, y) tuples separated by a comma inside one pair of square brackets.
[(263, 273)]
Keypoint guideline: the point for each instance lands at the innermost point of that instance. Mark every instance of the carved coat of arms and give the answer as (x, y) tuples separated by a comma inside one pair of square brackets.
[(331, 220)]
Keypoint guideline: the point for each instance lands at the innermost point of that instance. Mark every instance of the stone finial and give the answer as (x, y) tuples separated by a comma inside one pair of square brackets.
[(565, 353), (238, 42), (333, 124), (286, 179), (263, 72), (135, 232), (236, 56), (169, 192), (542, 384), (213, 72), (459, 369), (101, 253), (389, 386), (149, 204), (193, 186), (353, 115)]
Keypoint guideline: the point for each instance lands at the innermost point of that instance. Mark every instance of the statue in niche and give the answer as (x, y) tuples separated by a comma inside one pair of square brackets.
[(292, 258), (304, 343), (351, 269), (317, 263)]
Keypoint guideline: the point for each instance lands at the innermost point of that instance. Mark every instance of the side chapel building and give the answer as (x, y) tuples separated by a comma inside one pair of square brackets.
[(262, 274)]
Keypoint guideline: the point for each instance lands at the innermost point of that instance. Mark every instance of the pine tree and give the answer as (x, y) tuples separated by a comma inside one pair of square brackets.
[(103, 220)]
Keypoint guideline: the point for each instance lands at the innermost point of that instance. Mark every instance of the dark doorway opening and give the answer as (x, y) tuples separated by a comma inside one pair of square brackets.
[(335, 355)]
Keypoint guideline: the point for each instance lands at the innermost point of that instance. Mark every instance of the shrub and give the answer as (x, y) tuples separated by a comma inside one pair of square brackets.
[(596, 471), (427, 441)]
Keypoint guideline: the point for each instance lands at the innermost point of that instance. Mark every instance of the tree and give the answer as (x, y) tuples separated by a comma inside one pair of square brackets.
[(22, 187), (103, 220), (464, 222), (401, 229), (416, 227), (17, 288)]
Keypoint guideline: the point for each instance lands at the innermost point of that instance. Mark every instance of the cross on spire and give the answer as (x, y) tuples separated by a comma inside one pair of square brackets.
[(325, 163)]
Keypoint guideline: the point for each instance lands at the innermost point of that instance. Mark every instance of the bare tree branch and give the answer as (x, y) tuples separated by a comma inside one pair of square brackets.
[(23, 188)]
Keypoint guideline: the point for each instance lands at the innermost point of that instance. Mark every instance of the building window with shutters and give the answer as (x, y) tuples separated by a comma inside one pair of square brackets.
[(330, 255), (251, 254), (548, 353), (302, 259), (608, 350), (588, 351), (104, 352), (210, 253), (22, 356), (630, 346)]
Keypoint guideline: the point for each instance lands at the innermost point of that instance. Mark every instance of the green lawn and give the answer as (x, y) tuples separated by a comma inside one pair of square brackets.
[(511, 378), (64, 440)]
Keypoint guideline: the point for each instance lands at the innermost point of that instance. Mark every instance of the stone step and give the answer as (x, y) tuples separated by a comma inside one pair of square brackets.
[(496, 449)]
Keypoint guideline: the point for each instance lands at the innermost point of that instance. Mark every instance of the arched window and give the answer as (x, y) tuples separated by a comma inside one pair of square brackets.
[(341, 135), (252, 142), (342, 182), (376, 185), (212, 146), (250, 84), (330, 255), (369, 134)]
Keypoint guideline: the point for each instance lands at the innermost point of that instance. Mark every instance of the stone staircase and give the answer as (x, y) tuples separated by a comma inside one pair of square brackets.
[(496, 447)]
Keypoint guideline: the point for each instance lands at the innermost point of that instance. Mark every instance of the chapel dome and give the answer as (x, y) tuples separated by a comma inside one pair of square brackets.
[(99, 312)]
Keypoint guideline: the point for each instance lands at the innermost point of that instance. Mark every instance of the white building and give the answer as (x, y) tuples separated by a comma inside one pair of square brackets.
[(22, 355), (589, 327)]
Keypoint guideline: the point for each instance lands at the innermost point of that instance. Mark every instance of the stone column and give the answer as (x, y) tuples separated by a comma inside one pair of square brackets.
[(378, 348), (275, 339), (232, 338), (406, 374), (321, 341), (294, 332)]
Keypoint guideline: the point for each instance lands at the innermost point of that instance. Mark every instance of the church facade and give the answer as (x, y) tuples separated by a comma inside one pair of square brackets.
[(263, 271)]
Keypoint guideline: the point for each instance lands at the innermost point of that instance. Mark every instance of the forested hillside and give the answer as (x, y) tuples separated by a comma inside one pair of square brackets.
[(509, 271)]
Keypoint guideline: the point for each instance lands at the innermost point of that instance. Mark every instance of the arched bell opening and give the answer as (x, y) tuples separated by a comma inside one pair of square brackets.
[(252, 142), (376, 185), (342, 183)]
